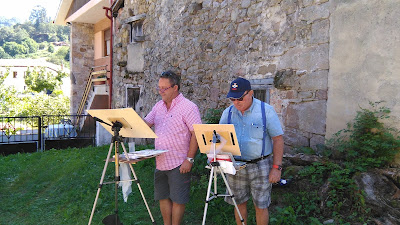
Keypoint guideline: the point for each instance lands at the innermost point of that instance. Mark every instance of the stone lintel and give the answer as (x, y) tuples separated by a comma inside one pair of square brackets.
[(135, 18)]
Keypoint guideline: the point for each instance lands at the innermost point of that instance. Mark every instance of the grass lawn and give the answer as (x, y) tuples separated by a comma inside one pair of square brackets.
[(59, 187)]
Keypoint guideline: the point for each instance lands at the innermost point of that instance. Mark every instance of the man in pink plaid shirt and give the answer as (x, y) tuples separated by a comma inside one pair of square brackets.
[(173, 118)]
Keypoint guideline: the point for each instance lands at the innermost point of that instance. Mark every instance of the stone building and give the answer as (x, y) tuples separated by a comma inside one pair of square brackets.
[(315, 61)]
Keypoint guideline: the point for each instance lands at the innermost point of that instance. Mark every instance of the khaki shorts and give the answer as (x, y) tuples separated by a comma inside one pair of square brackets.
[(172, 184), (254, 180)]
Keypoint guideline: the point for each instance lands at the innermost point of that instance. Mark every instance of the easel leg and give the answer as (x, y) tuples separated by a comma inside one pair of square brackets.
[(139, 187), (101, 183), (232, 196), (213, 174), (210, 181), (116, 180)]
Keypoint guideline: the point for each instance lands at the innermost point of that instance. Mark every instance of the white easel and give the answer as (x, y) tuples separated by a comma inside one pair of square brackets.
[(209, 139)]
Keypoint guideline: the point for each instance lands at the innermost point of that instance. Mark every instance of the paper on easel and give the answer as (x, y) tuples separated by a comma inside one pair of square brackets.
[(225, 163), (227, 167)]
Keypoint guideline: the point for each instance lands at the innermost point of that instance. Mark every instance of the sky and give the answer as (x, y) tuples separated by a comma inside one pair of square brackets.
[(21, 9)]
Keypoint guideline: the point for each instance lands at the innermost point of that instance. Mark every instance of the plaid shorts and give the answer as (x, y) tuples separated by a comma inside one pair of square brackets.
[(254, 179)]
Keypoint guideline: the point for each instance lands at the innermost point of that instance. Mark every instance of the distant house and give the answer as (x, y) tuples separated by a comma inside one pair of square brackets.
[(17, 71), (60, 43)]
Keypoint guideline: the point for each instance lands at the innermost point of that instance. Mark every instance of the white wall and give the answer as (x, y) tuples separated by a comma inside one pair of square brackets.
[(364, 59)]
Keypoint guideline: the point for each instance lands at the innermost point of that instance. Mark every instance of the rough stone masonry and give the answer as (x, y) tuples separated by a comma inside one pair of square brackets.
[(212, 42)]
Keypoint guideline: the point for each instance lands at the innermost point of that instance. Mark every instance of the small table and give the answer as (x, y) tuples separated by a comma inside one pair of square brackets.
[(138, 156)]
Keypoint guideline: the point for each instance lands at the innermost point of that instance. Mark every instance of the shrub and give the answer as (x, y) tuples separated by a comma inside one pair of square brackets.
[(213, 115), (368, 143)]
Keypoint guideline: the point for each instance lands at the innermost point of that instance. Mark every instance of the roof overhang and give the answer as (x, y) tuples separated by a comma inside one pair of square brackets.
[(92, 12)]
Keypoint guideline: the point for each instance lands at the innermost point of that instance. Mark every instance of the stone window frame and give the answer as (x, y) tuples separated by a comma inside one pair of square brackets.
[(131, 86), (136, 28), (259, 85)]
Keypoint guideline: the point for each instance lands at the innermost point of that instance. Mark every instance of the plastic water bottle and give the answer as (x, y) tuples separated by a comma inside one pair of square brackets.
[(282, 182)]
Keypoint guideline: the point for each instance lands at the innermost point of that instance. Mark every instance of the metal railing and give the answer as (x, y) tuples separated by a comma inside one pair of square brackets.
[(20, 129), (66, 126), (44, 131), (88, 87)]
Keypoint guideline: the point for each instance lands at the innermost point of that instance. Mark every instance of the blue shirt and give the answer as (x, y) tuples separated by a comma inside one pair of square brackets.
[(249, 129)]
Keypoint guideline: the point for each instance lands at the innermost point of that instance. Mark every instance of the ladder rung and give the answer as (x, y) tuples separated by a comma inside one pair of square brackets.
[(99, 79), (99, 72)]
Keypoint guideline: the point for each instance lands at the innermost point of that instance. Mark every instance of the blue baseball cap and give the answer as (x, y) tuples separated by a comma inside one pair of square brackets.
[(238, 88)]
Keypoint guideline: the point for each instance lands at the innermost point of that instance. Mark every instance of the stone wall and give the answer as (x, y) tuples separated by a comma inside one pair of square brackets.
[(82, 59), (210, 43)]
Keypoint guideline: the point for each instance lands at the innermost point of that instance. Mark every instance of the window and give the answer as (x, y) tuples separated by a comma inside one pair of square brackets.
[(14, 74), (107, 42), (137, 31), (262, 88), (132, 96), (136, 24), (261, 95)]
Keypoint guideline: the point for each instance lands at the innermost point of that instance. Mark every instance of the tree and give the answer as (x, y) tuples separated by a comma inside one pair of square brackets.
[(50, 48), (18, 36), (7, 96), (3, 54), (63, 53), (39, 79), (38, 16), (42, 104), (13, 48), (31, 45), (6, 33), (63, 33), (8, 22)]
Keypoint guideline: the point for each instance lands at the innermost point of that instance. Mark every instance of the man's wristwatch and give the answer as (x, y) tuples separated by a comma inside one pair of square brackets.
[(191, 160), (278, 167)]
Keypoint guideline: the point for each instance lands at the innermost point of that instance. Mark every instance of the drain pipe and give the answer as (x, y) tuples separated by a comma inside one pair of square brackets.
[(109, 16)]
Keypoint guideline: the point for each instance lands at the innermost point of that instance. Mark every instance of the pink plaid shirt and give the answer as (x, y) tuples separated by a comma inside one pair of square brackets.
[(173, 129)]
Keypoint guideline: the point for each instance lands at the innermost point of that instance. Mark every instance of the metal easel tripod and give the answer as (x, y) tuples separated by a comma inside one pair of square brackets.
[(215, 167), (116, 141)]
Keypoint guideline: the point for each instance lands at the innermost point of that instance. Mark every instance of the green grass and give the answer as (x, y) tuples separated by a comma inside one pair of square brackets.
[(59, 187)]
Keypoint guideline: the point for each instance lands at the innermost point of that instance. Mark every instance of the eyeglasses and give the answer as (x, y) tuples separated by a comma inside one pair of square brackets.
[(239, 99), (162, 90), (167, 74)]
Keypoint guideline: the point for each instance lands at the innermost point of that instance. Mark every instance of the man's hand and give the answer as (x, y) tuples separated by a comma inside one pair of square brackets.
[(274, 175), (186, 166)]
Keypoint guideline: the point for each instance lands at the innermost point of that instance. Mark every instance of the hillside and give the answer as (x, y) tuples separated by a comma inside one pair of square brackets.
[(36, 38)]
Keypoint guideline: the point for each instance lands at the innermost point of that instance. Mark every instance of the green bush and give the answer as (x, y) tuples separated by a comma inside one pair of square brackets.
[(13, 48), (368, 143), (42, 45), (50, 48), (213, 115)]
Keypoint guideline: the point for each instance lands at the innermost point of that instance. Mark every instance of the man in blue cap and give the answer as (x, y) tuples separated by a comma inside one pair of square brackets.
[(259, 134)]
